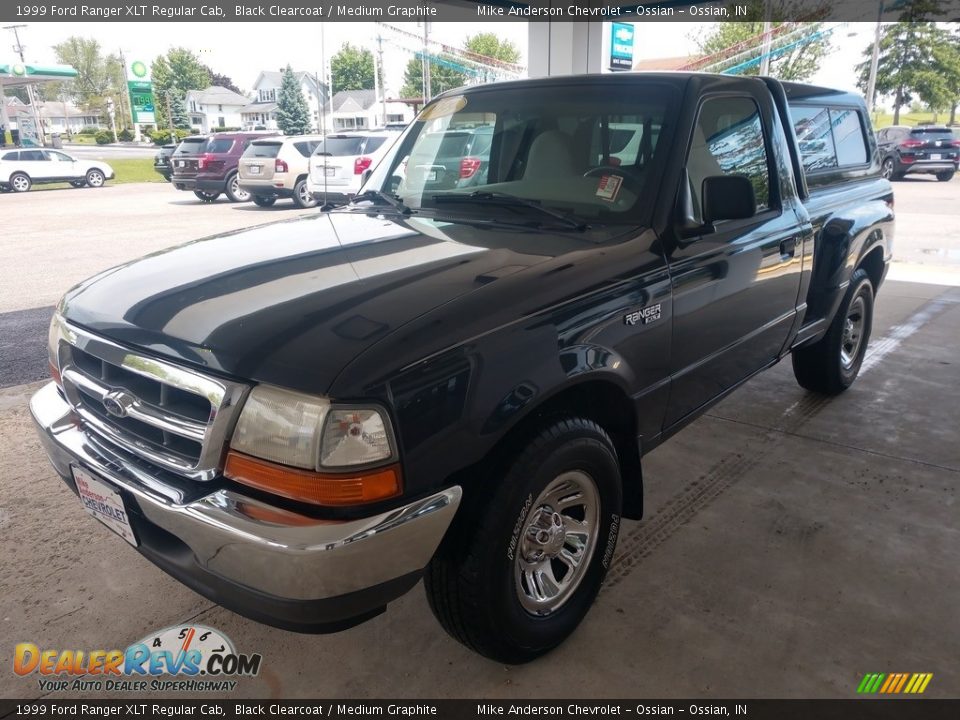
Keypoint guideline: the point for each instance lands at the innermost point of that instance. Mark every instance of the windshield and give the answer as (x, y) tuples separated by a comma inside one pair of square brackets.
[(587, 151)]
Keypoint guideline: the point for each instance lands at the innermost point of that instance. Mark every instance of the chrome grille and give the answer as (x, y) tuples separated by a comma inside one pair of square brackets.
[(167, 414)]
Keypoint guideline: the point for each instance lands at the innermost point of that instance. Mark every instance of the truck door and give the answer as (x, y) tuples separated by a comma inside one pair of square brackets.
[(735, 283)]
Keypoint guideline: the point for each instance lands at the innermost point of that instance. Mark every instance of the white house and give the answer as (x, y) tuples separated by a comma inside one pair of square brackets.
[(215, 107), (57, 117), (360, 110), (262, 111)]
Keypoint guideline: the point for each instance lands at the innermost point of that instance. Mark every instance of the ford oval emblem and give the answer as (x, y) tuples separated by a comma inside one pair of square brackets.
[(117, 403)]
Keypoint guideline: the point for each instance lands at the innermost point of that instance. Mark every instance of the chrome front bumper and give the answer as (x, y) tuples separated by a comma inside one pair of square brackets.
[(283, 569)]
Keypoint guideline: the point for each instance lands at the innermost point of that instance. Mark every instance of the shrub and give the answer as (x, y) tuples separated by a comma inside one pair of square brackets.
[(162, 137), (103, 137), (125, 135), (89, 130)]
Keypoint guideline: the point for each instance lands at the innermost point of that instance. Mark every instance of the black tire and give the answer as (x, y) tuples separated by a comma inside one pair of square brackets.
[(20, 182), (233, 190), (95, 178), (476, 584), (945, 176), (830, 365), (263, 201), (207, 197), (301, 197), (78, 183)]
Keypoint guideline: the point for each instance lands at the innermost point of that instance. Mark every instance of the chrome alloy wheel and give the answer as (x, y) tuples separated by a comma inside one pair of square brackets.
[(237, 192), (852, 332), (20, 183), (557, 543), (886, 170)]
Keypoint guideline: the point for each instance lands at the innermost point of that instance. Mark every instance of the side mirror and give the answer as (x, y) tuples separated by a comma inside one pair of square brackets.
[(728, 197)]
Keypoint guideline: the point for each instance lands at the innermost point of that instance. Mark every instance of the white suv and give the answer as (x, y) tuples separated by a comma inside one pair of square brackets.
[(277, 167), (338, 164), (21, 169)]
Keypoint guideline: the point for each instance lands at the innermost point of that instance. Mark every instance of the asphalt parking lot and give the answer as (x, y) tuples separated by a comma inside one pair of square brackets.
[(791, 544)]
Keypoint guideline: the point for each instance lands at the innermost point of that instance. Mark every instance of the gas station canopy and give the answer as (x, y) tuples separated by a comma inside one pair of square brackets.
[(20, 74)]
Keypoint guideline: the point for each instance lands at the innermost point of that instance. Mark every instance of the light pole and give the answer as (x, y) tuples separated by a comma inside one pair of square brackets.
[(874, 61), (18, 48)]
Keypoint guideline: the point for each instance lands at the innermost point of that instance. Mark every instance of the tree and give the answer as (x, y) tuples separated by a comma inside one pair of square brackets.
[(178, 71), (488, 44), (293, 115), (222, 80), (352, 69), (442, 76), (798, 62), (906, 65), (100, 78), (178, 109)]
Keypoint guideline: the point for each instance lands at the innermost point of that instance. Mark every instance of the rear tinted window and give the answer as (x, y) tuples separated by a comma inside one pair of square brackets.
[(829, 137), (932, 133), (373, 144), (262, 150), (453, 145), (340, 146), (190, 146), (10, 156), (219, 145)]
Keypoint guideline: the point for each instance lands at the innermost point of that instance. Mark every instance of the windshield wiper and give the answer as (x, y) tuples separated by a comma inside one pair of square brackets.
[(389, 199), (482, 197)]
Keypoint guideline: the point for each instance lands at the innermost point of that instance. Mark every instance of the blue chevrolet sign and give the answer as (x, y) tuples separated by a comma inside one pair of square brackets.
[(621, 46)]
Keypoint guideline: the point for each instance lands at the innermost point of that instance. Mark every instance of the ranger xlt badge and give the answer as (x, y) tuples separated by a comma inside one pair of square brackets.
[(643, 316)]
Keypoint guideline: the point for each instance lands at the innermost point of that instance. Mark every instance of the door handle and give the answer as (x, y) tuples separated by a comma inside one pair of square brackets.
[(788, 247)]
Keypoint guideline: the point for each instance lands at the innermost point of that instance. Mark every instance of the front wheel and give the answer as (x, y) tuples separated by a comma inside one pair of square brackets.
[(95, 178), (234, 191), (20, 182), (522, 564), (945, 176), (830, 365), (207, 197)]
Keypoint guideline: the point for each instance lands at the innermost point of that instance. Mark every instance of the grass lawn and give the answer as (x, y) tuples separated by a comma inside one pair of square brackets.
[(882, 119)]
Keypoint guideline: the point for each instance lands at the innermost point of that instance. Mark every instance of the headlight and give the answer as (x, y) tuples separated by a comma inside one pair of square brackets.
[(301, 447), (306, 432)]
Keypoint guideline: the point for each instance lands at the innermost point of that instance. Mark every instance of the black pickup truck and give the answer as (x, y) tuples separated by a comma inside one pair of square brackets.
[(301, 420)]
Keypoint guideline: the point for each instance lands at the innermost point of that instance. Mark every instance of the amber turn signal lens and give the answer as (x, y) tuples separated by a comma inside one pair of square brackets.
[(313, 487)]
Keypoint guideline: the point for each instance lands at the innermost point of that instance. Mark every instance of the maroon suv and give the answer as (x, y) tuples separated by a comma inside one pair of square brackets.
[(208, 166)]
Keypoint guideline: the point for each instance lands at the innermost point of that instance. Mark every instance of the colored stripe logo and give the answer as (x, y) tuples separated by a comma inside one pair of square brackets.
[(894, 683)]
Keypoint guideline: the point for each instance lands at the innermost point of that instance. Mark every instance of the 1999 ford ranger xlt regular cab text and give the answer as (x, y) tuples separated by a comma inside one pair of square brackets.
[(456, 377)]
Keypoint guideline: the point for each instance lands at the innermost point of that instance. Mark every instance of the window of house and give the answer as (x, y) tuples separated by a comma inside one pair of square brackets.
[(267, 95), (219, 108), (729, 140), (395, 118), (221, 122)]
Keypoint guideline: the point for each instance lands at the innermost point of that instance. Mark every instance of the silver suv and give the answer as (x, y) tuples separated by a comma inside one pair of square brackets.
[(277, 167)]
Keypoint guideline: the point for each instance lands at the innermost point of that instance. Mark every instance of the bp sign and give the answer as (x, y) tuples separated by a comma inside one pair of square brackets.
[(621, 46)]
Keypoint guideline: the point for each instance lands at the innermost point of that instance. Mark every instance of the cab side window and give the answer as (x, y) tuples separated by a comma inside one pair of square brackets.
[(729, 140)]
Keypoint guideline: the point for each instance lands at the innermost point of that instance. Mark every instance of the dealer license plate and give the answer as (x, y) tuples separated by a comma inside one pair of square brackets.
[(104, 503), (936, 156), (254, 169), (330, 171)]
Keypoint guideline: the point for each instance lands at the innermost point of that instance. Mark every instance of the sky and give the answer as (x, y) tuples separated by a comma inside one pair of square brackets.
[(241, 50)]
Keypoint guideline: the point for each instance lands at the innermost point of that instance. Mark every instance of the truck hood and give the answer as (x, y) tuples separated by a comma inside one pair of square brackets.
[(292, 303)]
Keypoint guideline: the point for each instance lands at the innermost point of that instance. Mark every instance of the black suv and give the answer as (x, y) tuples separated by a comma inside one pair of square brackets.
[(928, 150), (161, 161)]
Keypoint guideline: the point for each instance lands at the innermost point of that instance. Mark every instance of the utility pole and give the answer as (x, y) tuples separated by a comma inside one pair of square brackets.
[(18, 48), (874, 61), (170, 117), (127, 107), (383, 87), (321, 121), (426, 62)]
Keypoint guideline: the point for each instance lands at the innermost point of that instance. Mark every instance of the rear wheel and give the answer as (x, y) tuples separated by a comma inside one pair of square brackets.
[(95, 178), (234, 191), (20, 182), (207, 197), (263, 200), (302, 197), (830, 365), (945, 176), (523, 563)]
